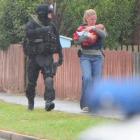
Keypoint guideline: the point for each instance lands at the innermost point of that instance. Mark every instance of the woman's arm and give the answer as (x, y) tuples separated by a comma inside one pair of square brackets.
[(99, 29), (101, 32)]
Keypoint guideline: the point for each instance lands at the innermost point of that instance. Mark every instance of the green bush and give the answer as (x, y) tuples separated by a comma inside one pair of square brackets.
[(13, 16), (117, 16)]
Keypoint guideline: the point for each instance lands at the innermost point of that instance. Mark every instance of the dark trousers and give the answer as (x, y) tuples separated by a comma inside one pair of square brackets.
[(47, 67)]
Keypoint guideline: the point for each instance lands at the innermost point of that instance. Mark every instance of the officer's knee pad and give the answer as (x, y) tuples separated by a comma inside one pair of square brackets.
[(49, 82)]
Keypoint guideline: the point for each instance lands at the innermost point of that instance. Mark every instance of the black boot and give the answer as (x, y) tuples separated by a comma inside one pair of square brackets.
[(49, 106), (30, 104)]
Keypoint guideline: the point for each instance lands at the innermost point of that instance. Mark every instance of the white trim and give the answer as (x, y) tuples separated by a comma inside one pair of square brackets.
[(68, 38)]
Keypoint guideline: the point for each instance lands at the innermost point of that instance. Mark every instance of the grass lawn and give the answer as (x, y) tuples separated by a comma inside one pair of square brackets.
[(48, 125)]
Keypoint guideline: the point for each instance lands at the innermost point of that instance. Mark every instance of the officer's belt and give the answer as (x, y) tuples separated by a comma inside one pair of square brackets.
[(37, 40)]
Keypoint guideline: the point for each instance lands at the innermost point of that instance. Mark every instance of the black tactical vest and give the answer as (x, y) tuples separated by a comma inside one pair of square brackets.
[(45, 43)]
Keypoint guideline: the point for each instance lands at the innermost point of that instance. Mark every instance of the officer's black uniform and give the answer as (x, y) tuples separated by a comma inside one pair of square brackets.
[(40, 52)]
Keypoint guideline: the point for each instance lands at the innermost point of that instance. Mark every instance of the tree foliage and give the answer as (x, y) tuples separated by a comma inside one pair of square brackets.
[(116, 15), (13, 15)]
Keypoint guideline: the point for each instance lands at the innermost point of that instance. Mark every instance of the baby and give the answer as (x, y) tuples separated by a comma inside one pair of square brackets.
[(86, 35)]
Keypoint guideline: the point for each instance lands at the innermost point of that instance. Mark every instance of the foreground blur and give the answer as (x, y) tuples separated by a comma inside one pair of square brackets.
[(128, 130), (115, 96), (121, 95)]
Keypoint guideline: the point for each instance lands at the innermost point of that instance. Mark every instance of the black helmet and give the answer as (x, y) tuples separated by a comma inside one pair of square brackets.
[(44, 9)]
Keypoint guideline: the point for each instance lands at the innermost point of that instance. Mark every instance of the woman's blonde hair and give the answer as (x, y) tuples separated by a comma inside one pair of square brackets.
[(87, 13)]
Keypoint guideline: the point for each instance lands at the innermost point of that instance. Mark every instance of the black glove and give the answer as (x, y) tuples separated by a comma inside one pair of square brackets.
[(79, 53), (60, 61)]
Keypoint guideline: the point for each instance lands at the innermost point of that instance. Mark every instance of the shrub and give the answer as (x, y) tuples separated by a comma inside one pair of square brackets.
[(13, 16)]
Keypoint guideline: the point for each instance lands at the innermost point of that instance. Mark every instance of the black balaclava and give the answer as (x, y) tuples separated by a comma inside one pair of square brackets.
[(42, 12)]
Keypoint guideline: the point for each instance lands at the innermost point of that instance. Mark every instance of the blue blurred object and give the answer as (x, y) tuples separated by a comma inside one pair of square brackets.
[(109, 94)]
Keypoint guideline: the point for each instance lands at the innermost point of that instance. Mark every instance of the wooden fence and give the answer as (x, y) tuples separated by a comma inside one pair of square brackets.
[(12, 69), (68, 77)]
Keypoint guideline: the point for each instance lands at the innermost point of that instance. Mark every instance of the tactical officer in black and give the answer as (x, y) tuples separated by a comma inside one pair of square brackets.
[(42, 41)]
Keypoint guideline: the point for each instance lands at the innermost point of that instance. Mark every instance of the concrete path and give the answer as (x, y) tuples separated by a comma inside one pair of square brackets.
[(60, 105), (64, 106)]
